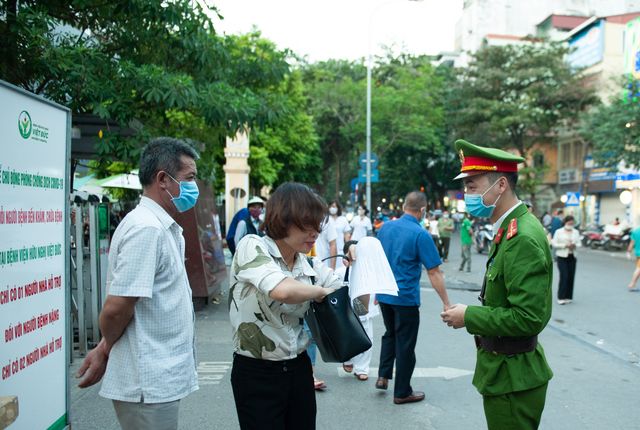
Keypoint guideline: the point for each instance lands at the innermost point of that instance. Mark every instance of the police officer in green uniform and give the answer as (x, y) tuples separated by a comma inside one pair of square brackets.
[(511, 369)]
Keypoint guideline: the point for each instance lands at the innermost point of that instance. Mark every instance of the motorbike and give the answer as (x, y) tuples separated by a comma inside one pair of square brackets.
[(592, 235), (617, 242), (611, 242), (482, 236)]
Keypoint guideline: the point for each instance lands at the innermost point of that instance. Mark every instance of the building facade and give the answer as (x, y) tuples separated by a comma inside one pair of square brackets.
[(599, 49), (519, 18)]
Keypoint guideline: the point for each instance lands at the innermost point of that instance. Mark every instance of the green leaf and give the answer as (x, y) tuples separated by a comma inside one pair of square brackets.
[(253, 340)]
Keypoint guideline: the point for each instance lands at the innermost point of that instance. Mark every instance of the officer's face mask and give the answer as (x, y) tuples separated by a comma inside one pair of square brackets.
[(475, 203), (188, 195)]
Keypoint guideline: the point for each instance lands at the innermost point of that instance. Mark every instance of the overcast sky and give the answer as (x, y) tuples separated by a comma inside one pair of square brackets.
[(339, 28)]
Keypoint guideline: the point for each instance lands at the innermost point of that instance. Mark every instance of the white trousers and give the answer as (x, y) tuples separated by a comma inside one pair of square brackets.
[(147, 416), (361, 361)]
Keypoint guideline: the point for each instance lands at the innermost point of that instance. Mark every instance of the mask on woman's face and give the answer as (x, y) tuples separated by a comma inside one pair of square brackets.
[(333, 210), (569, 227), (361, 212)]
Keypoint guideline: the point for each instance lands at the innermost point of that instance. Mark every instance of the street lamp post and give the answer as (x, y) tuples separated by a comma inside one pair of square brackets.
[(369, 66)]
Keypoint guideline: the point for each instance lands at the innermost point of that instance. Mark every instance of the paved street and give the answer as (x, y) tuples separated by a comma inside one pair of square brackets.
[(592, 346)]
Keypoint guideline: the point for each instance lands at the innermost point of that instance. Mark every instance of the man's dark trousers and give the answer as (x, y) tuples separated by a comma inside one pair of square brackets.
[(399, 343)]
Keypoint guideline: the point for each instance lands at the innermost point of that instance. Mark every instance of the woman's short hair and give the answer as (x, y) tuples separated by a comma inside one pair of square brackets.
[(568, 218), (293, 204)]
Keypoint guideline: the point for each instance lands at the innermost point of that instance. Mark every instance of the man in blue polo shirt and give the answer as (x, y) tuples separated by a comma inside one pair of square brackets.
[(408, 247)]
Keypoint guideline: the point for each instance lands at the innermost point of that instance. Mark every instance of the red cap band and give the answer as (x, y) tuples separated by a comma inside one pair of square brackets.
[(488, 165)]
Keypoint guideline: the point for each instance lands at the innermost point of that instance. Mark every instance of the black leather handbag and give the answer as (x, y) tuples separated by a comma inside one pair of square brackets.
[(336, 328)]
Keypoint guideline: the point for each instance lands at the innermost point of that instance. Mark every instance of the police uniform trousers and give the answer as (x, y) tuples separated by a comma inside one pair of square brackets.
[(520, 410)]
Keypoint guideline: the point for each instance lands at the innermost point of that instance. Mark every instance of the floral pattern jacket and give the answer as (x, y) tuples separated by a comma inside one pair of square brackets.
[(264, 328)]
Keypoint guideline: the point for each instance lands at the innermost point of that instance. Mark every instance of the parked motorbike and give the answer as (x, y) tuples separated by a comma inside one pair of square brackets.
[(611, 242), (482, 235), (593, 233), (617, 242)]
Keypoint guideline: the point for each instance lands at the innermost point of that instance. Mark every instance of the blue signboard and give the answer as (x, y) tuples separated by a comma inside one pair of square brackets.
[(587, 46), (573, 199), (375, 176), (602, 174), (362, 159)]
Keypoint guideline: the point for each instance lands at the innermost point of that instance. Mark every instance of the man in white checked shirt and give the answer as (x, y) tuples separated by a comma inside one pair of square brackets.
[(147, 353)]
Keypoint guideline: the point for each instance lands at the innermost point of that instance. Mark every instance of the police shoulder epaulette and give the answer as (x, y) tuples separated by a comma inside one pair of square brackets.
[(512, 230)]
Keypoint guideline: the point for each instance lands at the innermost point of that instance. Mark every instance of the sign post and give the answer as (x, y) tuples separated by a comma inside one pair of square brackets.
[(34, 257)]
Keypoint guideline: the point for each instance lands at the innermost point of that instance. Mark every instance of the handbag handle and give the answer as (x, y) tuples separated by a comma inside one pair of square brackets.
[(345, 281)]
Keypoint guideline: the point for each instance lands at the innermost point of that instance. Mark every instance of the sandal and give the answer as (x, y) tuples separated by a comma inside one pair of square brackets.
[(361, 376), (319, 385), (347, 367)]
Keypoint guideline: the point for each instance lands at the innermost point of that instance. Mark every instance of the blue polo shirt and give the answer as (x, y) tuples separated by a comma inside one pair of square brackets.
[(407, 247)]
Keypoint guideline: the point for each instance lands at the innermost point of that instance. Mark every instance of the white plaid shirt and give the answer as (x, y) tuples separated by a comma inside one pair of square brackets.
[(154, 360)]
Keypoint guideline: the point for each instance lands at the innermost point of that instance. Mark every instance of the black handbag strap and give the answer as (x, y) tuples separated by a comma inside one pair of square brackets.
[(346, 273)]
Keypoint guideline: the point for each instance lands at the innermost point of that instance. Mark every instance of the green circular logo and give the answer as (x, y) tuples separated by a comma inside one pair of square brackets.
[(24, 124)]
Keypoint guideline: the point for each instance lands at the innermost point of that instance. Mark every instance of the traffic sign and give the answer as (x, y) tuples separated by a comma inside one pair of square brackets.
[(573, 199), (363, 161), (375, 175)]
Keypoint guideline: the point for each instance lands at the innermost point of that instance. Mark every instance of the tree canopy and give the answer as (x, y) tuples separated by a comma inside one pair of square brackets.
[(614, 129), (513, 97), (158, 67), (408, 124)]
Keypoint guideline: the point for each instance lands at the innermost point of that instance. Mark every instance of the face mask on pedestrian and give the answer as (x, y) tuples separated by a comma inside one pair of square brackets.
[(255, 212), (361, 212), (445, 216), (476, 206), (333, 210), (568, 227), (188, 195)]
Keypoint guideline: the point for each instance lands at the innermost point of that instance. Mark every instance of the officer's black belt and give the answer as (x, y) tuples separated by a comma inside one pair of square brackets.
[(506, 345)]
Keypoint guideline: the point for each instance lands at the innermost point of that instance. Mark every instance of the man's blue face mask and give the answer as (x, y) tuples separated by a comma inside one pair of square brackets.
[(188, 195), (475, 204)]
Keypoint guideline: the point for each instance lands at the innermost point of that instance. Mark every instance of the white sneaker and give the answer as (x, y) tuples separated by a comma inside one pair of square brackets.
[(562, 302)]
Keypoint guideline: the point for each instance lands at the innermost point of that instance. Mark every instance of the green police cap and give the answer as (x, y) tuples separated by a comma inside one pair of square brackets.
[(476, 160)]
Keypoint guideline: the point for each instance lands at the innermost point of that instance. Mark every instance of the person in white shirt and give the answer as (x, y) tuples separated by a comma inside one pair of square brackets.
[(565, 241), (326, 243), (434, 231), (342, 228), (371, 275), (147, 353), (360, 225)]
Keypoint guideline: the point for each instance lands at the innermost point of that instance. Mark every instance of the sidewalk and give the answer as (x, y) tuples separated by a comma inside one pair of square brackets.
[(594, 386)]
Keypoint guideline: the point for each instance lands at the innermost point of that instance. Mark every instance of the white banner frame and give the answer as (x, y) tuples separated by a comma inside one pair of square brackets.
[(58, 418)]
